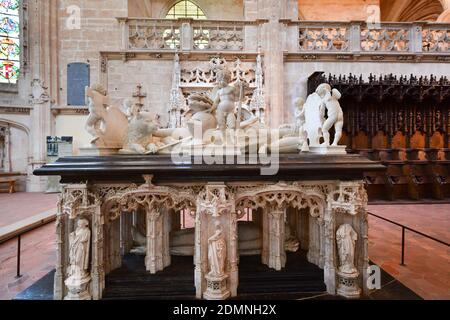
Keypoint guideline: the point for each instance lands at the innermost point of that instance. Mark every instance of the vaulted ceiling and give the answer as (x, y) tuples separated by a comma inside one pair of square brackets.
[(410, 10)]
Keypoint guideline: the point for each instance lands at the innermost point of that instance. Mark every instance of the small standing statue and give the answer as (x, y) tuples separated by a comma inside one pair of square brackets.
[(225, 103), (300, 122), (346, 238), (97, 104), (78, 280), (217, 252), (330, 102)]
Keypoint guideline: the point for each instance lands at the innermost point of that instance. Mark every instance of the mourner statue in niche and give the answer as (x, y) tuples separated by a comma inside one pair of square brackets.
[(346, 238), (217, 251), (79, 242)]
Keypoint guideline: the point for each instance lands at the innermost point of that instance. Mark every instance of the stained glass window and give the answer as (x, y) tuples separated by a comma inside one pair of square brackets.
[(9, 41), (185, 9)]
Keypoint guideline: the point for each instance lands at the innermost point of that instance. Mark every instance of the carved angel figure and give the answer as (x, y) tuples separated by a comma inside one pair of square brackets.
[(79, 242), (330, 102), (139, 138), (346, 238), (217, 252), (97, 104), (225, 102)]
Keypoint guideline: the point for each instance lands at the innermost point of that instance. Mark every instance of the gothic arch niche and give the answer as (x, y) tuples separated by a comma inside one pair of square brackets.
[(14, 148), (286, 217)]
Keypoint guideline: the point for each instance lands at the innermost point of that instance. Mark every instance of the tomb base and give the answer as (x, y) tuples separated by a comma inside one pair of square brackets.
[(78, 289), (216, 288), (98, 151), (348, 285), (328, 150)]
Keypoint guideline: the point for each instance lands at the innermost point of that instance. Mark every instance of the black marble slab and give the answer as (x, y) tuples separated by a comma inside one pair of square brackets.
[(130, 168)]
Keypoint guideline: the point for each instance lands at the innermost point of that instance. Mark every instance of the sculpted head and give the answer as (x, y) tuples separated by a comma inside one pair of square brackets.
[(82, 223), (299, 103), (323, 89), (99, 88), (223, 77)]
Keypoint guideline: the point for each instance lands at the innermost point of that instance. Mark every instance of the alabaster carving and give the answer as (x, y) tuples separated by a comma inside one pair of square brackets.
[(335, 114), (97, 103), (79, 242), (300, 124), (225, 103), (107, 124), (293, 138), (77, 271), (270, 235), (346, 238), (139, 138), (217, 251), (39, 92)]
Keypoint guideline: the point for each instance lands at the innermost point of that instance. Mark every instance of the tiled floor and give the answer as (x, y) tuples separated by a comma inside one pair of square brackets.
[(427, 263), (38, 257), (427, 270), (18, 206)]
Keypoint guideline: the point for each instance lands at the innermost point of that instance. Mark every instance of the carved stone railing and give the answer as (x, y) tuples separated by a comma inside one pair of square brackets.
[(359, 37), (185, 34)]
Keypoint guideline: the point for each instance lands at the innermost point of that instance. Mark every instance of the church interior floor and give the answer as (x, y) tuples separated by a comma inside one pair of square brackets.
[(18, 206), (426, 271)]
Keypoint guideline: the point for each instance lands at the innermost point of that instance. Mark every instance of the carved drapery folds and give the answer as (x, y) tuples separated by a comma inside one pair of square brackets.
[(78, 208)]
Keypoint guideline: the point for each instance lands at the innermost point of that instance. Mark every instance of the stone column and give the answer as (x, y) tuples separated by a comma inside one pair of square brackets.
[(98, 270), (7, 155), (61, 253), (276, 225), (167, 226), (216, 219), (154, 257), (273, 40), (44, 71), (330, 250)]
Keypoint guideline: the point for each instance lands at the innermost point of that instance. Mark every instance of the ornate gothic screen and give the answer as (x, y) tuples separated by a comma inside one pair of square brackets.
[(185, 9), (9, 41)]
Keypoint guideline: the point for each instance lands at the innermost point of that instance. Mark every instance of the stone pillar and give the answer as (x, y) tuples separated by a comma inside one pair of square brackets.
[(61, 253), (154, 257), (216, 222), (7, 151), (44, 54), (330, 250), (98, 270), (276, 225), (273, 41), (363, 260), (167, 226)]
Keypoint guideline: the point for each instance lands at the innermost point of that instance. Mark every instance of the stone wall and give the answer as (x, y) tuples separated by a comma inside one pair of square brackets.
[(342, 10), (99, 32), (155, 77), (214, 10)]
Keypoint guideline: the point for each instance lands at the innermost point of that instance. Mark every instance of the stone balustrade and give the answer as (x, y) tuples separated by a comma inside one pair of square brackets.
[(360, 37), (302, 37), (187, 34)]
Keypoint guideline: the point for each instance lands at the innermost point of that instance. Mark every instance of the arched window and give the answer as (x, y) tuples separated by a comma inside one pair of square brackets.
[(9, 41), (185, 9)]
